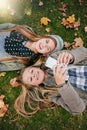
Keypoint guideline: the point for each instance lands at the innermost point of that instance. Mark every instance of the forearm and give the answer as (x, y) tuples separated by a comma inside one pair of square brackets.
[(9, 29), (79, 54), (72, 100), (5, 26)]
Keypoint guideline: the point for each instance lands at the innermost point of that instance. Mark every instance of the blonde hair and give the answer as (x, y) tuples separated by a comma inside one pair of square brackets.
[(33, 96)]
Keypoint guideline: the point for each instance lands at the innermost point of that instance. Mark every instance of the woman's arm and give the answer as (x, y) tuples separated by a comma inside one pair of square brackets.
[(69, 98), (71, 56), (79, 54), (5, 26)]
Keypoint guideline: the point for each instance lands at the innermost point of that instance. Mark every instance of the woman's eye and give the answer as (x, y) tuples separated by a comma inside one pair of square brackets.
[(31, 71), (31, 79), (47, 41)]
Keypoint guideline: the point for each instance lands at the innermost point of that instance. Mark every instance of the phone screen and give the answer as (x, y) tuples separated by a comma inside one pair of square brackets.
[(50, 62)]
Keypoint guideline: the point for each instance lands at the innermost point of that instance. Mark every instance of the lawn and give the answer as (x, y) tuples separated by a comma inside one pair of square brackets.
[(30, 12)]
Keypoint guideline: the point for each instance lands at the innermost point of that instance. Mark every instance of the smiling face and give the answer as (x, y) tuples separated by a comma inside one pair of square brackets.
[(33, 76), (45, 45)]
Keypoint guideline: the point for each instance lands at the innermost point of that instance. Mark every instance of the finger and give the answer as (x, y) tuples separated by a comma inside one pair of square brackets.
[(54, 69), (61, 57), (66, 58), (62, 70)]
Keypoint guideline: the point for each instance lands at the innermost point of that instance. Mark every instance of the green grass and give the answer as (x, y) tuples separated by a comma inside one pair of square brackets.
[(56, 119)]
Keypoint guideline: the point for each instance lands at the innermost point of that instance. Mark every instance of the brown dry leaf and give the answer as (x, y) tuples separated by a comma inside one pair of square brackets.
[(47, 29), (1, 101), (78, 42), (3, 110), (64, 22), (66, 44), (2, 74), (40, 3), (80, 2), (64, 14), (45, 21), (77, 23), (3, 106), (85, 28), (63, 8), (14, 83)]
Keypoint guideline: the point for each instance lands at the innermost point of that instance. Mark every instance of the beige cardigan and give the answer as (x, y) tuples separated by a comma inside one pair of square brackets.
[(69, 98)]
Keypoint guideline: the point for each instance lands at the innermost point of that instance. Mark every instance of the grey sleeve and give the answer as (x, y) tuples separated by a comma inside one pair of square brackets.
[(6, 26), (79, 54), (69, 100)]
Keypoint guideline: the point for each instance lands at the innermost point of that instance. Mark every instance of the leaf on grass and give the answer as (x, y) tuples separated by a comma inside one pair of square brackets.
[(3, 106), (85, 28), (45, 21), (1, 101), (71, 22), (64, 14), (63, 8), (3, 110), (2, 74), (47, 29), (64, 22), (66, 44), (14, 83), (80, 2), (77, 24), (40, 3), (71, 19), (78, 42)]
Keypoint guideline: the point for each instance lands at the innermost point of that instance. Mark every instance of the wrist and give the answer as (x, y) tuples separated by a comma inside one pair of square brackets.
[(61, 85)]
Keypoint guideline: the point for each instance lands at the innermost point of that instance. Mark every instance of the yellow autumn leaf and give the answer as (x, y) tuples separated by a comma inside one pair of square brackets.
[(71, 19), (78, 42), (2, 74), (44, 21)]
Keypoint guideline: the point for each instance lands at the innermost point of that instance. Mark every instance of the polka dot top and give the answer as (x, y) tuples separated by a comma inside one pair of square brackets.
[(15, 45)]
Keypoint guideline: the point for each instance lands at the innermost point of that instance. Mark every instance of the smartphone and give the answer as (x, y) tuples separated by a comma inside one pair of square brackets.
[(50, 62)]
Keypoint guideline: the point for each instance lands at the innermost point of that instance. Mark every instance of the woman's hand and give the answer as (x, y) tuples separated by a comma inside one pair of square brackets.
[(65, 57), (59, 72)]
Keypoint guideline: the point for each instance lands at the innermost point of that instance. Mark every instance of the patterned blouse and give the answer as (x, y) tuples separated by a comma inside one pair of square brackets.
[(15, 46)]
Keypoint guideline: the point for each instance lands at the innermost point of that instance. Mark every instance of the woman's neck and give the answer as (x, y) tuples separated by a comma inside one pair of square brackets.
[(32, 46)]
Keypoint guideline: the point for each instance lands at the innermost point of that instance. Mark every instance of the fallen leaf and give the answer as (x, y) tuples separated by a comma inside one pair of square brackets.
[(47, 29), (78, 42), (63, 8), (77, 23), (80, 2), (2, 74), (45, 21), (64, 14), (40, 3), (66, 44), (3, 110), (14, 83), (1, 101), (64, 22), (71, 19), (3, 106), (85, 28)]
